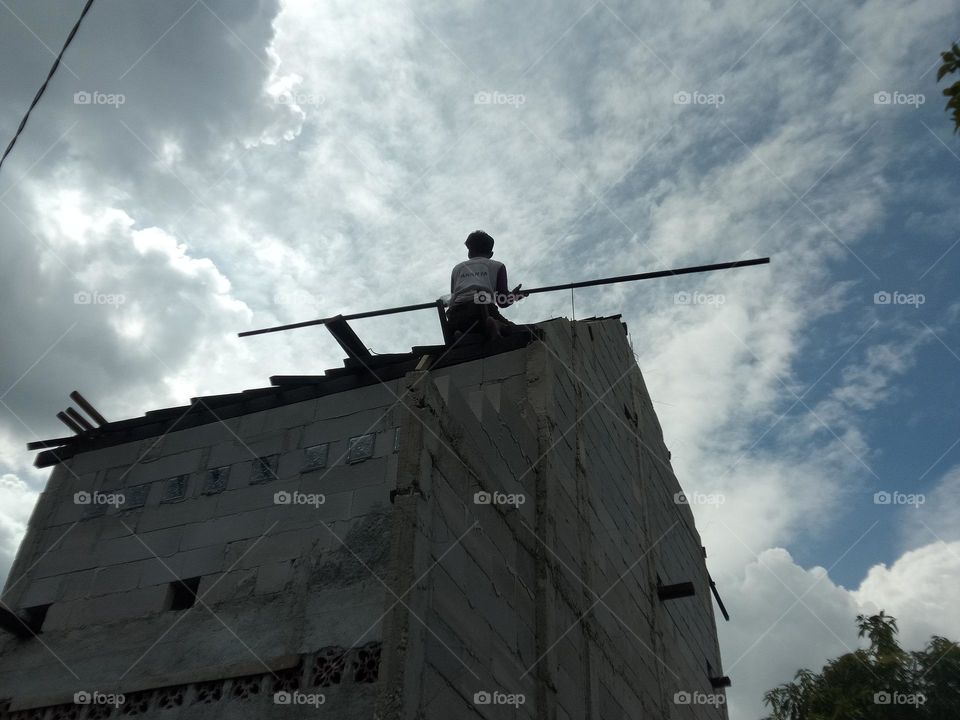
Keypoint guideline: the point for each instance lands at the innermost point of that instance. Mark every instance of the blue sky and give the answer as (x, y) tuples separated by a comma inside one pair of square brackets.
[(276, 161)]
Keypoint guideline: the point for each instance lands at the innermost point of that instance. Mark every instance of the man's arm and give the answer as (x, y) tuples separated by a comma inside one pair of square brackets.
[(503, 291)]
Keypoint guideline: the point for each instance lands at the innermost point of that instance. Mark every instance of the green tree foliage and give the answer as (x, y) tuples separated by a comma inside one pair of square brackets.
[(882, 682), (951, 64)]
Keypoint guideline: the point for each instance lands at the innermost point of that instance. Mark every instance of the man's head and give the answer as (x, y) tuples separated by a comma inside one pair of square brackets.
[(479, 243)]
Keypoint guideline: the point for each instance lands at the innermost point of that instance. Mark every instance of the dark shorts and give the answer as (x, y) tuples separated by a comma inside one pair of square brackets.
[(469, 316)]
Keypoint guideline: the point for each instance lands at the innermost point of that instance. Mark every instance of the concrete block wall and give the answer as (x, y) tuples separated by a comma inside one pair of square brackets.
[(553, 600), (500, 560), (276, 580)]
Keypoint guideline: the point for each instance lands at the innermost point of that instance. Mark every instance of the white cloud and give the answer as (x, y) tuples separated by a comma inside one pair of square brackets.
[(786, 617), (217, 207), (16, 503)]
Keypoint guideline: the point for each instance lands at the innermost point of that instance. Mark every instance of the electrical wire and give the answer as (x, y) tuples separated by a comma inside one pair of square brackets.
[(36, 98)]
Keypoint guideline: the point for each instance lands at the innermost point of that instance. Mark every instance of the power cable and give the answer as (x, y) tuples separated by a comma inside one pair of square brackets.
[(36, 98)]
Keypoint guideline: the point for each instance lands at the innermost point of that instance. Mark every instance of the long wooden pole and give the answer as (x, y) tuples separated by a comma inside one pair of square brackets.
[(531, 291)]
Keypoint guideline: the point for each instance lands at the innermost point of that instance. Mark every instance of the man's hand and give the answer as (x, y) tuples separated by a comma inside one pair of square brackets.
[(519, 293)]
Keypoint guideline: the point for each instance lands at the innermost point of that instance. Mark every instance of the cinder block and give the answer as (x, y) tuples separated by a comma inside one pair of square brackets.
[(164, 467), (162, 571), (200, 436), (273, 577), (59, 616), (227, 587), (370, 499), (125, 454), (162, 543), (64, 560), (249, 498), (116, 578), (276, 548), (41, 591), (118, 606), (201, 561), (76, 585), (222, 530), (245, 450), (192, 510)]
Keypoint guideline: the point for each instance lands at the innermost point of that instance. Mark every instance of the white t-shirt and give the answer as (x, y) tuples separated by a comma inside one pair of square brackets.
[(478, 274)]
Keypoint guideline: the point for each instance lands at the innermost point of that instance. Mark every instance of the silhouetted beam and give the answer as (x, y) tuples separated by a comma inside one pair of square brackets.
[(650, 275), (347, 339), (720, 682), (531, 291), (87, 407), (13, 624), (354, 316), (66, 420), (53, 442), (679, 590), (78, 418), (716, 595)]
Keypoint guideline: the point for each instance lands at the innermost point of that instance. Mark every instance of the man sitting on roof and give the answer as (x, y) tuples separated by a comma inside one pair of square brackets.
[(478, 286)]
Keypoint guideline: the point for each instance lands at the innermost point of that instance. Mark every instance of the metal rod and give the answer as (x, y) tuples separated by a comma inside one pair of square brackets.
[(650, 275), (66, 420), (531, 291), (355, 316), (716, 595), (87, 407), (77, 417)]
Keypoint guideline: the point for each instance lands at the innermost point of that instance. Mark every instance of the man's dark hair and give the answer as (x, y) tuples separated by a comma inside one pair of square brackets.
[(479, 243)]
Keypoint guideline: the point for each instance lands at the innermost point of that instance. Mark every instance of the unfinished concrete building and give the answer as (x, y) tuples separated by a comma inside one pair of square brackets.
[(476, 531)]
